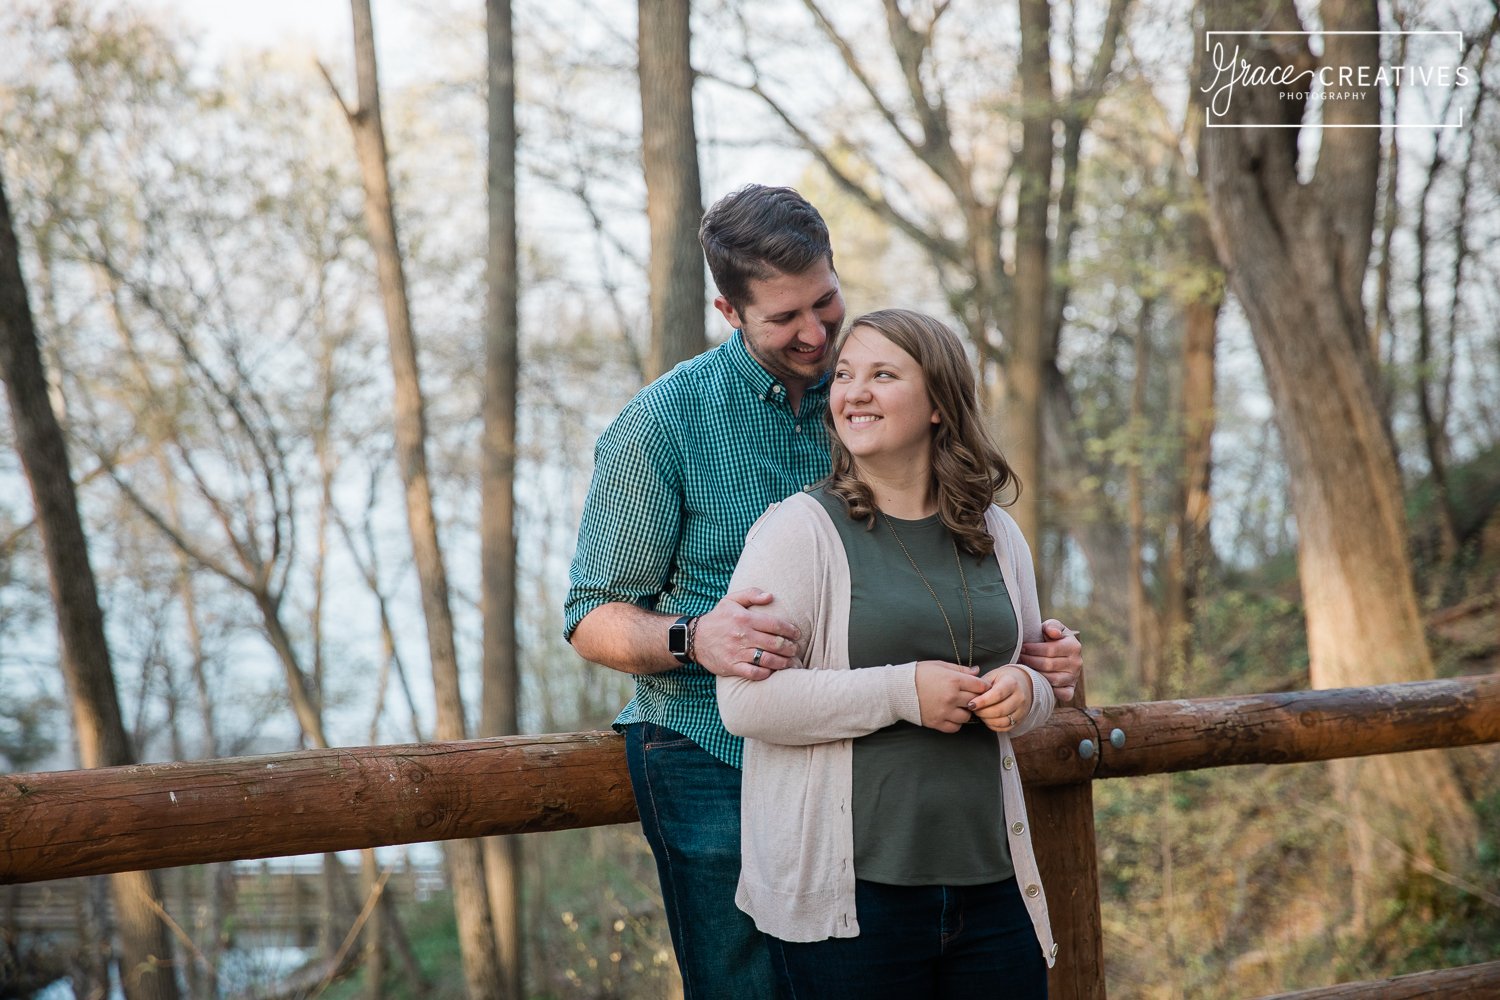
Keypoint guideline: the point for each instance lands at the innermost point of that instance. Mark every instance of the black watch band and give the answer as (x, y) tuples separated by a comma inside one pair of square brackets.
[(678, 640)]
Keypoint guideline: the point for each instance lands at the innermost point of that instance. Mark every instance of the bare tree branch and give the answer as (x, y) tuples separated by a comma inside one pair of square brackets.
[(938, 247)]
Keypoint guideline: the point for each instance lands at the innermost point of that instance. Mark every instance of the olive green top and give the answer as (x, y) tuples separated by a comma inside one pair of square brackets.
[(926, 806)]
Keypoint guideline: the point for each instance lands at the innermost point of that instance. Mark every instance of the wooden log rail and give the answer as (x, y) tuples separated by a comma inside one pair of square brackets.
[(1471, 982), (70, 823)]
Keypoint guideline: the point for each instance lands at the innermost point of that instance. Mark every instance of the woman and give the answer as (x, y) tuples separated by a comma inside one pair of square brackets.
[(886, 851)]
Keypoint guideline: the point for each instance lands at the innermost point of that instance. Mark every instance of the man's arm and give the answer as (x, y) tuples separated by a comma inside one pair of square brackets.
[(627, 544), (634, 640)]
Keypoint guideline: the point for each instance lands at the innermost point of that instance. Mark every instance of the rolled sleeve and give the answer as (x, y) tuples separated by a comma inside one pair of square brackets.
[(628, 536)]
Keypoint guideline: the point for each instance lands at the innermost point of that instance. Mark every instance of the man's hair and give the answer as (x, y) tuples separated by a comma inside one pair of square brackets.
[(968, 471), (757, 232)]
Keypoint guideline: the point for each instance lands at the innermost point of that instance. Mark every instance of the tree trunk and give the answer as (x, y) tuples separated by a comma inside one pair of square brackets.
[(374, 949), (500, 698), (146, 951), (1191, 548), (674, 203), (1434, 433), (305, 701), (1296, 252), (476, 933), (1145, 650), (1029, 334), (1101, 537)]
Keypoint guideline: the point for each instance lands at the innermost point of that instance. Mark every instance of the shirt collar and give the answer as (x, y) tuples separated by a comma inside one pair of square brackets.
[(765, 385)]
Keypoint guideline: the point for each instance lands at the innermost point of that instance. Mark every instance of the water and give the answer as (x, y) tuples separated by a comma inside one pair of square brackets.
[(239, 970)]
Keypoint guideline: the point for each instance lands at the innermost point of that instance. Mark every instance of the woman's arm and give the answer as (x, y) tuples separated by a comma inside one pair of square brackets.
[(789, 553), (801, 706)]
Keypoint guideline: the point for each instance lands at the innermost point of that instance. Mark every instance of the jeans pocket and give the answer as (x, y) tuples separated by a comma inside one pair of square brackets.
[(654, 737)]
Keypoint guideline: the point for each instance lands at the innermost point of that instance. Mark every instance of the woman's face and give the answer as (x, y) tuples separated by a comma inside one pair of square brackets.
[(881, 410)]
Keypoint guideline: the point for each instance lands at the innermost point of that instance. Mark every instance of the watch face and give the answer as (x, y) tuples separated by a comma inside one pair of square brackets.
[(677, 639)]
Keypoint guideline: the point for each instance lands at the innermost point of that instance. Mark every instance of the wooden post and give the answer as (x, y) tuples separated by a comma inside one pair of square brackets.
[(1062, 823)]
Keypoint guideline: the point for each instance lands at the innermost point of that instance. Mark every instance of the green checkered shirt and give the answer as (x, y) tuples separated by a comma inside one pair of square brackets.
[(679, 477)]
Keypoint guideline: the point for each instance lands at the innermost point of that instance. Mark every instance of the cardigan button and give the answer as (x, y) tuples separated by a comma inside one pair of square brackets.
[(1033, 890)]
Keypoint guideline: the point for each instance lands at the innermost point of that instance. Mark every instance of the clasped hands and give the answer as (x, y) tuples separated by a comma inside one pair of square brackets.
[(951, 695)]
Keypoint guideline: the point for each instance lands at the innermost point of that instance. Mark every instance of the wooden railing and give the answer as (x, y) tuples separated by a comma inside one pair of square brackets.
[(70, 823)]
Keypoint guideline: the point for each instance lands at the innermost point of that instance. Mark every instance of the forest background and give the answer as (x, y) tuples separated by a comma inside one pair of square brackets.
[(1251, 380)]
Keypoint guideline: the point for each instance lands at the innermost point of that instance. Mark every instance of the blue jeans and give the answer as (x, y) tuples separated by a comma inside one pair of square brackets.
[(689, 802), (926, 942)]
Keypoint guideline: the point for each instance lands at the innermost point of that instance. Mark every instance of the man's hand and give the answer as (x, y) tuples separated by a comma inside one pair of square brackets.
[(1007, 699), (1060, 659), (729, 637), (943, 692)]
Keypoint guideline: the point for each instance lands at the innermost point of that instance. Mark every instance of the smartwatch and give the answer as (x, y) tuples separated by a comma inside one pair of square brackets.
[(677, 639)]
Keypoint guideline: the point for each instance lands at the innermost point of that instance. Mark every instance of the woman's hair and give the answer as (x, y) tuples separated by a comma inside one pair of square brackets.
[(968, 471)]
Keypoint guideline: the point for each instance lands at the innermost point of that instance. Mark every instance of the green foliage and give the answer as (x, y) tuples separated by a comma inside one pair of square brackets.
[(1474, 496), (1249, 638), (27, 731), (433, 931), (597, 927), (1432, 924), (1237, 881), (594, 925)]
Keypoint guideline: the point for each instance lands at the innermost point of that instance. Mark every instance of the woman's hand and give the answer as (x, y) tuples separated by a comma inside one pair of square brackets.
[(1007, 699), (944, 691)]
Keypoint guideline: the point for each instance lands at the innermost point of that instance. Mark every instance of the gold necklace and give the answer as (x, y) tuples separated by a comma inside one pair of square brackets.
[(968, 604)]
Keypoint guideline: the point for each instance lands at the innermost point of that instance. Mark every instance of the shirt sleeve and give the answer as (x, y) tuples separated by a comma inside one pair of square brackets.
[(1044, 700), (785, 556), (629, 533)]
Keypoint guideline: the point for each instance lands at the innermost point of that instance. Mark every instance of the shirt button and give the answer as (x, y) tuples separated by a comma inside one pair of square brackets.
[(1009, 762), (1054, 951), (1017, 828), (1033, 890), (776, 389)]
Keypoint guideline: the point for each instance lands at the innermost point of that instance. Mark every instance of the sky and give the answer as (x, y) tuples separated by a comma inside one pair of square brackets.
[(265, 23), (321, 26)]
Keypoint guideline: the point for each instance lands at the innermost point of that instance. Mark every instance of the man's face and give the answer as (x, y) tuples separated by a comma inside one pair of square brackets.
[(790, 323)]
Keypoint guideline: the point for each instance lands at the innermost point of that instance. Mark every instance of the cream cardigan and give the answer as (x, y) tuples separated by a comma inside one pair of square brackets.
[(796, 832)]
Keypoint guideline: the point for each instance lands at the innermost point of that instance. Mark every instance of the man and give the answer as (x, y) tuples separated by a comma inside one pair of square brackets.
[(679, 477)]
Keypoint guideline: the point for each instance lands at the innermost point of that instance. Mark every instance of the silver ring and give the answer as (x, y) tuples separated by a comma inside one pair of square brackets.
[(1010, 721), (758, 654)]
